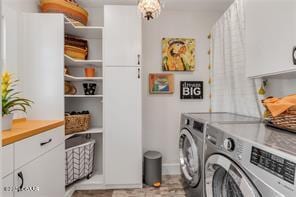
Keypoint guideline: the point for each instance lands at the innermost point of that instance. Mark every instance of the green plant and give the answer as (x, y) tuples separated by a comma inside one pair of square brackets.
[(10, 98)]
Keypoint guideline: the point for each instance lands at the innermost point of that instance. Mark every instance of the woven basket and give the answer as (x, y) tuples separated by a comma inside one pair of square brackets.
[(75, 41), (76, 48), (285, 120), (76, 123), (75, 52), (67, 7)]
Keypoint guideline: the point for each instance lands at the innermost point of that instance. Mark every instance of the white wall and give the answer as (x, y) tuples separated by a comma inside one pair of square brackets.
[(1, 64), (161, 113), (281, 85)]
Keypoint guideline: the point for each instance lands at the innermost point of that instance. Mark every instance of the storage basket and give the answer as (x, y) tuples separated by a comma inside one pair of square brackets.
[(76, 48), (285, 120), (68, 7), (79, 159), (75, 52), (75, 41), (69, 88), (76, 123)]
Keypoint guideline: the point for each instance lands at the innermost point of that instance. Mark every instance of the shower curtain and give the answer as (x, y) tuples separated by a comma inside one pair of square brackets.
[(231, 90)]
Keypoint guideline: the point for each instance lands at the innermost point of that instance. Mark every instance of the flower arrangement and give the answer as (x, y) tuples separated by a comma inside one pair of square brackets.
[(11, 101)]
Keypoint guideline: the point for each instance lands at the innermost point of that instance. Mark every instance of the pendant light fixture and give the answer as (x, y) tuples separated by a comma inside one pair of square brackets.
[(149, 9)]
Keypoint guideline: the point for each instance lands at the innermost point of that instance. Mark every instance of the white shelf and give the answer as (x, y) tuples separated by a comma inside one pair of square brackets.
[(95, 182), (69, 61), (83, 96), (87, 32), (72, 78), (89, 131)]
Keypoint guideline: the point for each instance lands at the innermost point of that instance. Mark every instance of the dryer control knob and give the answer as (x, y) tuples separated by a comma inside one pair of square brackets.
[(240, 157), (187, 122), (229, 144)]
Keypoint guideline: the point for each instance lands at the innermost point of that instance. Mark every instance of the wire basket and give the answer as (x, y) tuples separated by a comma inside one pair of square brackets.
[(79, 159)]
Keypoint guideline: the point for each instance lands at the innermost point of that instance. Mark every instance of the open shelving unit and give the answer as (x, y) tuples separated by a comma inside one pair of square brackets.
[(83, 96), (72, 78), (89, 131), (92, 103), (69, 61), (87, 32)]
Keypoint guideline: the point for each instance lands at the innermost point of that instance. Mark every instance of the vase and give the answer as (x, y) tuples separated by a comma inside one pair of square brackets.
[(89, 88), (89, 72), (7, 122)]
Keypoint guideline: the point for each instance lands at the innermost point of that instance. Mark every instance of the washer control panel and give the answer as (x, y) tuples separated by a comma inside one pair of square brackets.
[(274, 164), (198, 126)]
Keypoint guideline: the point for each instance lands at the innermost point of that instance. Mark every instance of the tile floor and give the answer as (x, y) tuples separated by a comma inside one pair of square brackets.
[(171, 187)]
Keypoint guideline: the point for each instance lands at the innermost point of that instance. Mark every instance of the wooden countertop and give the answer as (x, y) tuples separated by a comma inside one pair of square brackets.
[(22, 129)]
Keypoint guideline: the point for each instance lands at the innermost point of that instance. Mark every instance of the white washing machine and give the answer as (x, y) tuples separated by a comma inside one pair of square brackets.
[(191, 142), (249, 160)]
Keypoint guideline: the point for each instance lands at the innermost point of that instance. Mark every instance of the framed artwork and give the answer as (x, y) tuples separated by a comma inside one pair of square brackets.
[(178, 54), (191, 90), (161, 83)]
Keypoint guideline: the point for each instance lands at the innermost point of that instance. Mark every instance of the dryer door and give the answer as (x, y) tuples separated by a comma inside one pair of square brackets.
[(225, 179), (189, 160)]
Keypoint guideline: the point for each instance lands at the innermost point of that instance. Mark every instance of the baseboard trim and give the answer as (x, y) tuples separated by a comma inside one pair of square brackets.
[(124, 186), (171, 169)]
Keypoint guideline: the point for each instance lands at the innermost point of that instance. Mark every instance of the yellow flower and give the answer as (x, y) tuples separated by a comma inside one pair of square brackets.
[(6, 77)]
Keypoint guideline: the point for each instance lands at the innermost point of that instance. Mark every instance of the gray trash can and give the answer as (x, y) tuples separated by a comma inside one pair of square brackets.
[(152, 168)]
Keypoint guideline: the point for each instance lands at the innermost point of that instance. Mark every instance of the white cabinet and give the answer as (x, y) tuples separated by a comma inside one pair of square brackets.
[(41, 65), (123, 140), (7, 183), (270, 36), (7, 171), (122, 36), (36, 165), (28, 149), (122, 97), (44, 175), (7, 160)]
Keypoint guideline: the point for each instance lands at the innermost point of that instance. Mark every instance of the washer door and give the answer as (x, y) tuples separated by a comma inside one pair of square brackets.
[(225, 179), (189, 160)]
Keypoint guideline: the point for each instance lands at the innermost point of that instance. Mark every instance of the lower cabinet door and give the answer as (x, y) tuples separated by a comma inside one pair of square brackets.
[(8, 187), (123, 139), (44, 176)]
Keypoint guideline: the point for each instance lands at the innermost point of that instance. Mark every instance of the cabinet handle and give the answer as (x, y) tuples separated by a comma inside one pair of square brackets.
[(212, 139), (44, 143), (139, 56), (20, 175), (294, 55), (139, 73)]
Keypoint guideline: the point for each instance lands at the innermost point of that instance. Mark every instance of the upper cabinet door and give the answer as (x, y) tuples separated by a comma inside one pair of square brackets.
[(41, 65), (270, 36), (122, 36)]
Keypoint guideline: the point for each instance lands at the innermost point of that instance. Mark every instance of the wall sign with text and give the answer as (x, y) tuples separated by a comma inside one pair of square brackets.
[(191, 90)]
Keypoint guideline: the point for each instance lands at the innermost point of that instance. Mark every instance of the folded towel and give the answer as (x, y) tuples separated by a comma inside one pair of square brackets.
[(277, 106), (76, 52)]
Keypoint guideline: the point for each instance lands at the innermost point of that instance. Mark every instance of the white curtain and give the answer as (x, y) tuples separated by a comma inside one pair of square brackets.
[(231, 90)]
